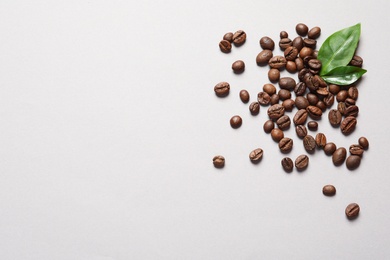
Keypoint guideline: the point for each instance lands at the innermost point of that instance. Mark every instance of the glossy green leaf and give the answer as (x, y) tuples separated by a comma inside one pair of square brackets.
[(339, 48), (344, 75)]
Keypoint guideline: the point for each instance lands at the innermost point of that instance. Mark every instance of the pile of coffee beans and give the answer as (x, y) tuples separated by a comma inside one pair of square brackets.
[(310, 94)]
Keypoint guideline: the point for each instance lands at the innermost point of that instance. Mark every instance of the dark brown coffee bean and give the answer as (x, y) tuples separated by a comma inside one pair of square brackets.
[(288, 104), (334, 89), (283, 34), (284, 122), (334, 117), (277, 134), (341, 107), (329, 148), (269, 89), (284, 94), (274, 75), (263, 98), (301, 102), (291, 53), (254, 108), (301, 131), (311, 82), (219, 161), (298, 43), (287, 164), (311, 43), (356, 149), (321, 105), (364, 142), (314, 32), (342, 96), (302, 74), (225, 46), (236, 121), (287, 83), (312, 125), (353, 92), (256, 155), (314, 64), (356, 61), (285, 43), (244, 96), (301, 29), (352, 211), (300, 117), (274, 99), (349, 102), (285, 144), (300, 89), (291, 66), (352, 111), (263, 57), (228, 37), (314, 112), (320, 140), (239, 38), (222, 89), (301, 162), (299, 63), (238, 66), (277, 62), (348, 125), (267, 43), (323, 85), (305, 51), (312, 98), (339, 156), (329, 190), (328, 100), (268, 126), (353, 162), (309, 143), (275, 111)]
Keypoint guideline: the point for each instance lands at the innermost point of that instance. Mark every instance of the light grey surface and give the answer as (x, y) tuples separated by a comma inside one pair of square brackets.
[(109, 123)]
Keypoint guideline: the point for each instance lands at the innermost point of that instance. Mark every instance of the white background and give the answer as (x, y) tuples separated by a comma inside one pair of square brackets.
[(109, 124)]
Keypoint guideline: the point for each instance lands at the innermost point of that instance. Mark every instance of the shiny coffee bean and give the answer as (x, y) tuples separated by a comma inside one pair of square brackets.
[(285, 43), (311, 43), (302, 74), (320, 140), (342, 96), (287, 164), (301, 102), (263, 98), (287, 83), (254, 108), (364, 142), (356, 149), (330, 148), (305, 51), (353, 162), (228, 37), (274, 99), (283, 34), (321, 105), (339, 156), (244, 96), (274, 75), (349, 102), (239, 38), (268, 126), (219, 161), (314, 64), (277, 62), (285, 145), (284, 94), (314, 112), (236, 121), (291, 66), (301, 29), (348, 125), (275, 111), (299, 63), (301, 131), (356, 61), (334, 89), (300, 117), (298, 43), (256, 155), (267, 43), (301, 162), (352, 211), (277, 134), (329, 190), (270, 89), (291, 53), (238, 66), (314, 32), (263, 57), (341, 107), (312, 125), (283, 122), (352, 111), (225, 46), (334, 117), (312, 98), (328, 100), (222, 89), (288, 104), (309, 143), (353, 92)]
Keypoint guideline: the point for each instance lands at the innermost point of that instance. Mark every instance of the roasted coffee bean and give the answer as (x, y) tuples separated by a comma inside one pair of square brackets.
[(284, 122), (352, 162), (364, 142), (269, 89), (348, 125), (301, 131), (274, 75), (305, 51), (311, 43), (225, 46), (263, 98), (256, 155), (254, 108), (342, 96), (320, 140), (288, 104), (268, 126), (287, 164), (311, 82), (301, 162), (334, 117), (290, 53), (274, 99), (300, 89), (334, 89), (239, 38), (299, 63), (329, 190), (301, 29), (284, 94), (314, 64), (314, 32), (285, 43), (353, 92), (283, 34), (238, 66), (352, 111), (329, 148), (356, 61), (338, 156), (352, 211), (312, 125), (321, 105), (349, 102), (263, 57), (309, 143), (356, 149), (300, 117), (328, 100), (302, 74), (312, 98), (267, 43), (219, 161), (314, 112), (285, 144), (228, 37), (222, 89), (277, 62), (244, 96), (298, 43), (277, 134), (341, 107), (307, 59), (287, 83), (275, 111), (291, 66), (323, 91), (236, 121)]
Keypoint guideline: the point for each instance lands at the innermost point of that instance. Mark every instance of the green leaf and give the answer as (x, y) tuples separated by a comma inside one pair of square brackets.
[(344, 75), (339, 48)]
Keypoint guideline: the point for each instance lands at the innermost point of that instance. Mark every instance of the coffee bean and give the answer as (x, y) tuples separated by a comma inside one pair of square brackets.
[(222, 89), (225, 46), (305, 51), (353, 162), (352, 111), (219, 161), (302, 74), (268, 126), (352, 211), (275, 111), (329, 190), (284, 94), (287, 164), (339, 156), (321, 105), (228, 37), (342, 96), (363, 142), (298, 43), (301, 29), (274, 75), (238, 66), (299, 63), (287, 83), (288, 104), (267, 43), (356, 61), (301, 102), (314, 64), (277, 134), (301, 162), (285, 144), (263, 98), (348, 125), (277, 62), (312, 98), (301, 131), (239, 38), (269, 89), (291, 53), (300, 117), (334, 117), (329, 148), (254, 108), (341, 107), (291, 66), (312, 125), (309, 143), (320, 140), (244, 96), (314, 32), (284, 122), (236, 121), (283, 34), (314, 112), (328, 100), (349, 102), (353, 92), (356, 149), (285, 43), (256, 155), (263, 57), (274, 99), (311, 82), (334, 89), (311, 43)]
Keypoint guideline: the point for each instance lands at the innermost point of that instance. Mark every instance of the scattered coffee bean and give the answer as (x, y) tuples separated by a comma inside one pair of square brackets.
[(301, 131), (244, 96), (268, 126), (275, 111), (287, 83), (256, 155), (334, 117), (277, 134), (309, 143), (352, 211), (299, 63), (334, 89), (305, 51), (269, 89), (283, 34), (320, 140), (238, 66), (312, 98), (329, 190), (314, 112), (284, 122), (239, 38), (222, 89), (329, 148), (314, 32), (274, 75), (219, 161), (254, 108), (291, 66), (263, 57), (349, 102), (288, 104), (339, 156), (311, 43), (356, 149), (236, 121), (352, 110), (274, 99), (285, 144), (342, 96), (363, 142), (287, 164), (328, 99), (301, 162), (353, 92), (291, 53), (348, 125), (285, 43), (267, 43), (341, 107), (277, 62), (301, 29), (312, 125), (300, 117), (356, 61), (228, 37), (284, 94), (225, 46), (263, 98), (352, 162), (301, 102)]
